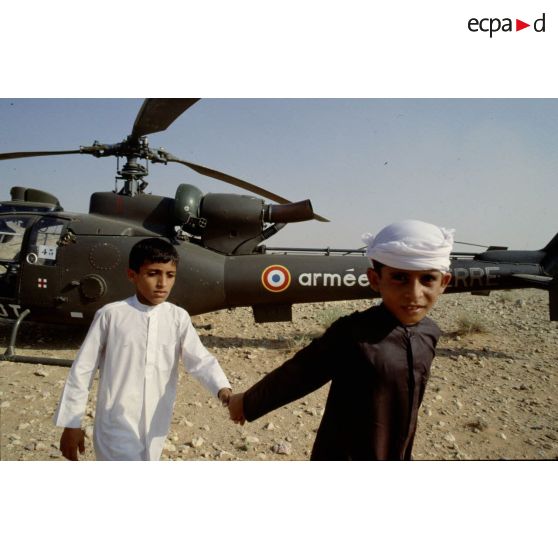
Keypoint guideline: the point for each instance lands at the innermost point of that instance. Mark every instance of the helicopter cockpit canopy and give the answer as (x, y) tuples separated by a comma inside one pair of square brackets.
[(12, 229), (12, 233)]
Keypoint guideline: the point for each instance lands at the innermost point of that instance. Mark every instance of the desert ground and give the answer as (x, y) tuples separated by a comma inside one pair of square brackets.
[(492, 392)]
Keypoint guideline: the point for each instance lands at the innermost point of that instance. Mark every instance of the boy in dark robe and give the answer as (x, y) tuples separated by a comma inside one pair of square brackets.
[(378, 360)]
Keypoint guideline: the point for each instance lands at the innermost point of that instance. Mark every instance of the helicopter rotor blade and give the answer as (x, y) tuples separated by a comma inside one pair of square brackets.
[(156, 115), (22, 154), (206, 171)]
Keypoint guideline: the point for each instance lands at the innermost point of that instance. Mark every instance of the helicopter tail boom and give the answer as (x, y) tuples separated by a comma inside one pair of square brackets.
[(550, 260), (550, 266), (546, 259)]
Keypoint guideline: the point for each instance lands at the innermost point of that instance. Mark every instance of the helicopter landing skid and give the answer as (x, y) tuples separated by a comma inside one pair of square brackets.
[(10, 355)]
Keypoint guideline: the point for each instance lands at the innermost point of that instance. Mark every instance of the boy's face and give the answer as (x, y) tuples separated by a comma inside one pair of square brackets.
[(153, 282), (408, 295)]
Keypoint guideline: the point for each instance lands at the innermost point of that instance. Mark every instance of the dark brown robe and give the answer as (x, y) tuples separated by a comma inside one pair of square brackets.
[(378, 370)]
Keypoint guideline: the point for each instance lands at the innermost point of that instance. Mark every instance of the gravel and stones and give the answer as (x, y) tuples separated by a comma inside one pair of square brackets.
[(491, 394)]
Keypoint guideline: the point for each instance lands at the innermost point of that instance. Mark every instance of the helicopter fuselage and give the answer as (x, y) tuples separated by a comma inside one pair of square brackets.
[(69, 265), (64, 266)]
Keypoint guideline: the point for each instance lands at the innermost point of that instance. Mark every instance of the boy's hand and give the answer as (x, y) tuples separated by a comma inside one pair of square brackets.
[(71, 440), (236, 408), (224, 396)]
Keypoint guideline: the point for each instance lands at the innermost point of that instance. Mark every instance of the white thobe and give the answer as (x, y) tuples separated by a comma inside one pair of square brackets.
[(137, 349)]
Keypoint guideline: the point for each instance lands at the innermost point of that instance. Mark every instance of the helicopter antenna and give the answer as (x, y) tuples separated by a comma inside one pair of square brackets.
[(470, 244)]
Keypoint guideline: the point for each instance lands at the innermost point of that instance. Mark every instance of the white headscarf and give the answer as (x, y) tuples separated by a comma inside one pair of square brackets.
[(412, 245)]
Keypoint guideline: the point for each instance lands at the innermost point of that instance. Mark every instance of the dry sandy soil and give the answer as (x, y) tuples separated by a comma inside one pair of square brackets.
[(492, 393)]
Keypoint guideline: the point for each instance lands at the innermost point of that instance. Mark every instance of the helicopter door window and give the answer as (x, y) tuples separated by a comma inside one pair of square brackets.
[(44, 241)]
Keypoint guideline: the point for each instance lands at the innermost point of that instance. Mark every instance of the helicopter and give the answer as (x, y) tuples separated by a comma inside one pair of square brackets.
[(60, 267)]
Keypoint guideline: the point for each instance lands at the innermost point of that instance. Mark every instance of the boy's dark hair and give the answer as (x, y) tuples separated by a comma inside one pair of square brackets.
[(377, 266), (151, 250)]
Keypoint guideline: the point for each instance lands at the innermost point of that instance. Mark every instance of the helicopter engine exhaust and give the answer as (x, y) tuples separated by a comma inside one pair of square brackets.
[(288, 212)]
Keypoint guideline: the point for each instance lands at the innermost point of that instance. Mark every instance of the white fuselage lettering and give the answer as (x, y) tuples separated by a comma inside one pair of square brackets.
[(14, 313), (347, 279)]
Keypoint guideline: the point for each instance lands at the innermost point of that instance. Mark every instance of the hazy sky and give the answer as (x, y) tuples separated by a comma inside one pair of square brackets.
[(487, 167)]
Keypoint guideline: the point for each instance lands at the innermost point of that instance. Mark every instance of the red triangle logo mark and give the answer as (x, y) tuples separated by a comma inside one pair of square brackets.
[(519, 25)]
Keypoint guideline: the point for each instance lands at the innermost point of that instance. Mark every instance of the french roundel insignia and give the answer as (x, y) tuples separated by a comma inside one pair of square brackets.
[(276, 278)]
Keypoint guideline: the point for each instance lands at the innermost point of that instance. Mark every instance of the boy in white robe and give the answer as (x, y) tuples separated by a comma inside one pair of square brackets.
[(136, 344)]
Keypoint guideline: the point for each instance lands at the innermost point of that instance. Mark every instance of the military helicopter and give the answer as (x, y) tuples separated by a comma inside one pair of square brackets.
[(61, 267)]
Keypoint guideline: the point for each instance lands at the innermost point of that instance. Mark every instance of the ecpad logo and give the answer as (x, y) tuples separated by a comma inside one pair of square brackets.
[(492, 25)]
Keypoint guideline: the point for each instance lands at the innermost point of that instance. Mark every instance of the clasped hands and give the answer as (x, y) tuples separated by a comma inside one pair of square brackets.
[(235, 404)]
